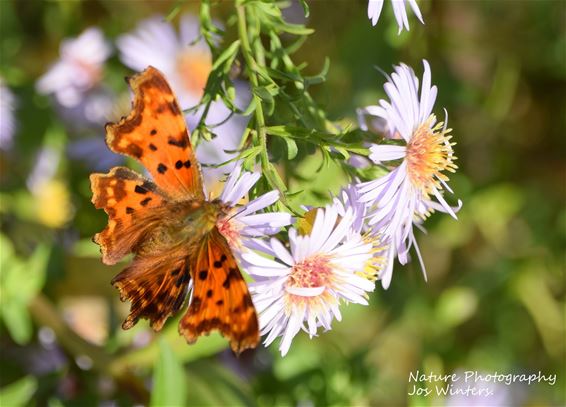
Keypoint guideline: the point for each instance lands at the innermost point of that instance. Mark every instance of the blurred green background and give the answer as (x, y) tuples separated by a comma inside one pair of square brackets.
[(495, 297)]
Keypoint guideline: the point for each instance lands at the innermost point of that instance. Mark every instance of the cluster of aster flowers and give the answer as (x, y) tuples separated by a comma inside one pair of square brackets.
[(335, 254), (303, 269)]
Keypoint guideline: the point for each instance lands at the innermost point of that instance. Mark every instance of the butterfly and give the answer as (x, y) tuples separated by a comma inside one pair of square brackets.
[(169, 225)]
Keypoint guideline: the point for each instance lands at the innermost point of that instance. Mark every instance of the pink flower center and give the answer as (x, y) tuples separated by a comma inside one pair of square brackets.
[(314, 271), (194, 67), (230, 229), (428, 154)]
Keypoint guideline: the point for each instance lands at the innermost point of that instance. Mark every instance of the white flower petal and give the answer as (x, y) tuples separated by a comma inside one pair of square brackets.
[(291, 330), (386, 152), (305, 291)]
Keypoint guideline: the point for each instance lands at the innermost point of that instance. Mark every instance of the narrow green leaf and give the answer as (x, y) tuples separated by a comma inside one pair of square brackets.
[(321, 76), (173, 13), (296, 29), (275, 179), (16, 318), (227, 56), (18, 393), (263, 94), (305, 8), (251, 152), (250, 109), (291, 148), (169, 380), (343, 151)]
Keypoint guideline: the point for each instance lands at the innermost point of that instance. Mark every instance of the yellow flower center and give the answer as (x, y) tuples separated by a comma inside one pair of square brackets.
[(429, 153), (194, 67)]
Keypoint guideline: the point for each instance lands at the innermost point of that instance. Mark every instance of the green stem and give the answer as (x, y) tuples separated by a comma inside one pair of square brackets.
[(251, 71)]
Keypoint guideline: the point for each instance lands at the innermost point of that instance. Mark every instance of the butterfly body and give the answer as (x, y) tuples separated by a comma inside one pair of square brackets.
[(169, 225), (184, 223)]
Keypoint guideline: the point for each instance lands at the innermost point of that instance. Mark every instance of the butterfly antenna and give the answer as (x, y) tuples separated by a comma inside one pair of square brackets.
[(237, 213)]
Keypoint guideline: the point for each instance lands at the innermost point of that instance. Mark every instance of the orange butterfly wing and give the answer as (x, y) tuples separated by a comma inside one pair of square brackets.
[(126, 197), (221, 300), (156, 287), (155, 134)]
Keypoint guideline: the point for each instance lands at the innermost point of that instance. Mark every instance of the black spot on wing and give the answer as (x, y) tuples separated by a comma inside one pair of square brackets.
[(140, 190), (247, 302), (195, 304), (161, 168), (145, 187), (174, 108), (182, 141), (233, 274), (134, 150)]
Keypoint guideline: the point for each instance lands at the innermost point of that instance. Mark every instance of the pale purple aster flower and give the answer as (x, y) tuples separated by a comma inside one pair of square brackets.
[(79, 68), (7, 119), (404, 197), (85, 123), (349, 199), (399, 10), (302, 287), (186, 61), (241, 224), (95, 109), (94, 153)]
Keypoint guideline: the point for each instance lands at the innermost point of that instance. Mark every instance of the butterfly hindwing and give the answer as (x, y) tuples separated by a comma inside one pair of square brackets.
[(156, 287), (221, 300), (155, 134), (126, 197)]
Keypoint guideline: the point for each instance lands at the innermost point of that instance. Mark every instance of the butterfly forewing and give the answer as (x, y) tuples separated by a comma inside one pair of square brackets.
[(156, 135)]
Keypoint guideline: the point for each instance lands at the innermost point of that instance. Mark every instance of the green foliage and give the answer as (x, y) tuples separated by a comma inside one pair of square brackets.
[(18, 393), (21, 280), (169, 385)]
